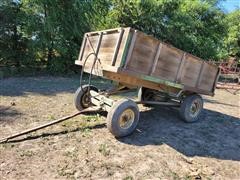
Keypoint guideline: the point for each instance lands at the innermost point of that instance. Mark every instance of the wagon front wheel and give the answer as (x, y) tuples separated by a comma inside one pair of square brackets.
[(123, 118), (82, 99), (191, 108)]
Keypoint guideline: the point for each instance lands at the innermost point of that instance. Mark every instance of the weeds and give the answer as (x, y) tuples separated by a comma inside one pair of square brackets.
[(103, 149), (71, 152), (64, 171), (27, 153), (128, 178)]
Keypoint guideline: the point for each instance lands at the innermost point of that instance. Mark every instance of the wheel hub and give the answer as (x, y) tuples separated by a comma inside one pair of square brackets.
[(126, 119), (195, 108), (86, 100)]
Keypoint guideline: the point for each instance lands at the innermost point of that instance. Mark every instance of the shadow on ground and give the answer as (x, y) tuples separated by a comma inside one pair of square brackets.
[(216, 135), (8, 111), (98, 126), (44, 85)]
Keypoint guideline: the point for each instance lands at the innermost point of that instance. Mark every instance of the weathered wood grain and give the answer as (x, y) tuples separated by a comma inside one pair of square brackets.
[(132, 56)]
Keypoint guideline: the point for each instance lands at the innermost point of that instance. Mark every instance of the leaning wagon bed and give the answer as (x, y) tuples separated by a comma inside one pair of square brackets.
[(163, 74)]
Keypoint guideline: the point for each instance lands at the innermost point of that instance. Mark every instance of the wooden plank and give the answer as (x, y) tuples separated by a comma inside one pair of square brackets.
[(131, 49), (207, 78), (106, 49), (138, 82), (200, 74), (216, 80), (117, 47), (180, 68), (105, 67), (109, 40), (154, 65), (168, 63), (143, 54), (191, 71), (103, 31), (151, 79), (161, 81), (98, 45), (124, 47)]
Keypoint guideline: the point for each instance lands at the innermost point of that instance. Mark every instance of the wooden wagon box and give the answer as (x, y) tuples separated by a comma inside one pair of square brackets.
[(131, 57)]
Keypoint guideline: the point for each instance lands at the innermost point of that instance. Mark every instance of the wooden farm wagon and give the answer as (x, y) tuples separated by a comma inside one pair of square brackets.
[(163, 74)]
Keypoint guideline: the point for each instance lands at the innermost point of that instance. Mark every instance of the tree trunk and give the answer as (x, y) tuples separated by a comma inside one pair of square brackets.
[(15, 47)]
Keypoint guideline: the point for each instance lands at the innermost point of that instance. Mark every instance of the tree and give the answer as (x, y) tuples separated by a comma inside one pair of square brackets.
[(48, 33), (232, 40), (57, 28), (13, 45), (194, 26)]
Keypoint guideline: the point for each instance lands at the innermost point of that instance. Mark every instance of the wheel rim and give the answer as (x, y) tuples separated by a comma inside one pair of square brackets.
[(195, 108), (85, 100), (126, 119)]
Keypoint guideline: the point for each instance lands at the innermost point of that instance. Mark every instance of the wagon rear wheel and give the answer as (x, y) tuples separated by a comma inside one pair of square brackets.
[(82, 99), (123, 118), (191, 108)]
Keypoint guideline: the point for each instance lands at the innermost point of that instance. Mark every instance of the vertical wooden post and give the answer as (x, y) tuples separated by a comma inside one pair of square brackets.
[(98, 44), (200, 74), (180, 68), (131, 48), (117, 47), (154, 65)]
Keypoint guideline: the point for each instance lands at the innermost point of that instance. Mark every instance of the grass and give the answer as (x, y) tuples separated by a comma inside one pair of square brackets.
[(27, 153), (66, 172), (84, 121), (104, 150), (128, 178), (71, 152), (7, 145)]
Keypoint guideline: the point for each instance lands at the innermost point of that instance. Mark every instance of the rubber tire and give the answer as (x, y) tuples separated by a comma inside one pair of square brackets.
[(185, 108), (114, 114), (79, 94)]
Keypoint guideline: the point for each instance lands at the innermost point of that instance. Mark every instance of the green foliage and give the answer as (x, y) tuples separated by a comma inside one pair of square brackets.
[(48, 33), (232, 40), (13, 44), (194, 26)]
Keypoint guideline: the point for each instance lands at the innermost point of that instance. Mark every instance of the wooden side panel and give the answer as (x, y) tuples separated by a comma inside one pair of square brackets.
[(168, 63), (148, 56), (190, 72), (143, 54), (128, 52), (207, 78), (111, 43), (107, 47)]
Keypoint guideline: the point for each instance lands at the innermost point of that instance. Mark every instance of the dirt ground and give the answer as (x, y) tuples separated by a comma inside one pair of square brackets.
[(162, 147)]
